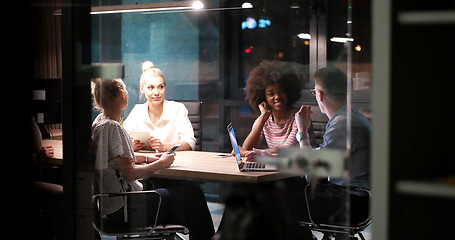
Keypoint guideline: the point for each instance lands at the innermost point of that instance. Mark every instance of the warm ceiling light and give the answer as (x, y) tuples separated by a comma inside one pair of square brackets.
[(358, 48), (198, 5)]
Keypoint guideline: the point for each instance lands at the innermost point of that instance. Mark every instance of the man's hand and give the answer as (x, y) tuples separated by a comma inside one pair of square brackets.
[(303, 118)]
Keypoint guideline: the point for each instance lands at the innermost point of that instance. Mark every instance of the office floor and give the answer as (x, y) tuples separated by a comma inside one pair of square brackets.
[(217, 209)]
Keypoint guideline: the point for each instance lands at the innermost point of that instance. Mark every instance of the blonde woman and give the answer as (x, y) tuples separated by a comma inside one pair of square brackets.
[(116, 161), (166, 121)]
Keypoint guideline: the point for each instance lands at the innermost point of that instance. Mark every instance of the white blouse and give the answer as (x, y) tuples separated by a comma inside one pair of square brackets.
[(173, 126)]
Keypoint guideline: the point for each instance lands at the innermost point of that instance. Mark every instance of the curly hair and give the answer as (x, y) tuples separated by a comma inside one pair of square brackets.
[(268, 73)]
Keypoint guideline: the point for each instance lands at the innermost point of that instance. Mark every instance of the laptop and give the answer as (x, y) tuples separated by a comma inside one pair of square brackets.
[(246, 166)]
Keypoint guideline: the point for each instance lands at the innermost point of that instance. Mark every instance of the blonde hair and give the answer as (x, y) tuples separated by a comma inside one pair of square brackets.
[(104, 91), (150, 71)]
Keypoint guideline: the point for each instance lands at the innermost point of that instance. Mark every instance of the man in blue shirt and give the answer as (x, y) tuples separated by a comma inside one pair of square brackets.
[(347, 129), (330, 93)]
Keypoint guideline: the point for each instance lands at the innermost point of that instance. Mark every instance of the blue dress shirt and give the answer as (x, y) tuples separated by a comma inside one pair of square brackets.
[(335, 137)]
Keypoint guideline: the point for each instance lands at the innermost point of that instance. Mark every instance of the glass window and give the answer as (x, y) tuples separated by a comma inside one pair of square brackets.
[(206, 51), (207, 54)]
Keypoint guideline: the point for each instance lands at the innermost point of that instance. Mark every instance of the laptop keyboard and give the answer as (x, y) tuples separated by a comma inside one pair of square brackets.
[(254, 165)]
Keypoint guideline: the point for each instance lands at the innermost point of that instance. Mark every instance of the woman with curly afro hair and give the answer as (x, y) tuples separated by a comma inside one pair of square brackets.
[(272, 88)]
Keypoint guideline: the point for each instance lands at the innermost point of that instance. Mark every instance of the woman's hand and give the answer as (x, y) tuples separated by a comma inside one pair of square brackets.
[(151, 158), (250, 156), (264, 109), (48, 151), (242, 151), (303, 118), (156, 144), (43, 155), (138, 145), (165, 159)]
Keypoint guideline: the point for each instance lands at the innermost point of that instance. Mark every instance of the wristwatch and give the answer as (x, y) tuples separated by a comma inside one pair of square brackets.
[(300, 136)]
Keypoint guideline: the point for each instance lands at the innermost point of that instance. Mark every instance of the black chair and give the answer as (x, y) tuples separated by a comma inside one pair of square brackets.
[(195, 116), (330, 230), (141, 230)]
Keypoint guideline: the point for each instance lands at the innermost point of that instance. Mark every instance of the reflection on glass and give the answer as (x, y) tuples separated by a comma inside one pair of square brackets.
[(208, 54)]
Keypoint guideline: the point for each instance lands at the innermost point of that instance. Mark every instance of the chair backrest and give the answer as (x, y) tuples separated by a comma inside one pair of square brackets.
[(195, 116), (352, 228), (319, 122), (143, 209)]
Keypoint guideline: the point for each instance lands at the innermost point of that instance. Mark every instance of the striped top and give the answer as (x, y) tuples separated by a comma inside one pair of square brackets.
[(280, 135)]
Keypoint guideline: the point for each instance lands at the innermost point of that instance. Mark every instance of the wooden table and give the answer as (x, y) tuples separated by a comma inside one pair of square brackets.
[(205, 166), (193, 165)]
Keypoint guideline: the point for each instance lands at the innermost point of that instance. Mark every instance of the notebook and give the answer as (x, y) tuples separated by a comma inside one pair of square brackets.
[(246, 166), (142, 136)]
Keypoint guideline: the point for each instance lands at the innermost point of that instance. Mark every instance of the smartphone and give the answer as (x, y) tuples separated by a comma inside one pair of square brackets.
[(174, 148)]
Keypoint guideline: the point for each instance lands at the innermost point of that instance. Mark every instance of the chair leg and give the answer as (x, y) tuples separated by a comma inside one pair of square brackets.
[(180, 237), (361, 236)]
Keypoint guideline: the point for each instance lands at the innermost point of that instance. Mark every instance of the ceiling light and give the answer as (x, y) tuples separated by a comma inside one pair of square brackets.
[(358, 48), (341, 39), (158, 7), (304, 36), (198, 5), (147, 7), (247, 5)]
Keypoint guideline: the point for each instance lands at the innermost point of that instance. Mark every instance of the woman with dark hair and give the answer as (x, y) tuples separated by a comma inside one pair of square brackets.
[(272, 88)]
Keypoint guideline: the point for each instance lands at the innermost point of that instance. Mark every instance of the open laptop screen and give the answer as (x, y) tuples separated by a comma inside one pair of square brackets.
[(235, 146)]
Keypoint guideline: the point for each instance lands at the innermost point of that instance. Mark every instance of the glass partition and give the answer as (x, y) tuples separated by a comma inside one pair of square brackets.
[(214, 49), (209, 52)]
